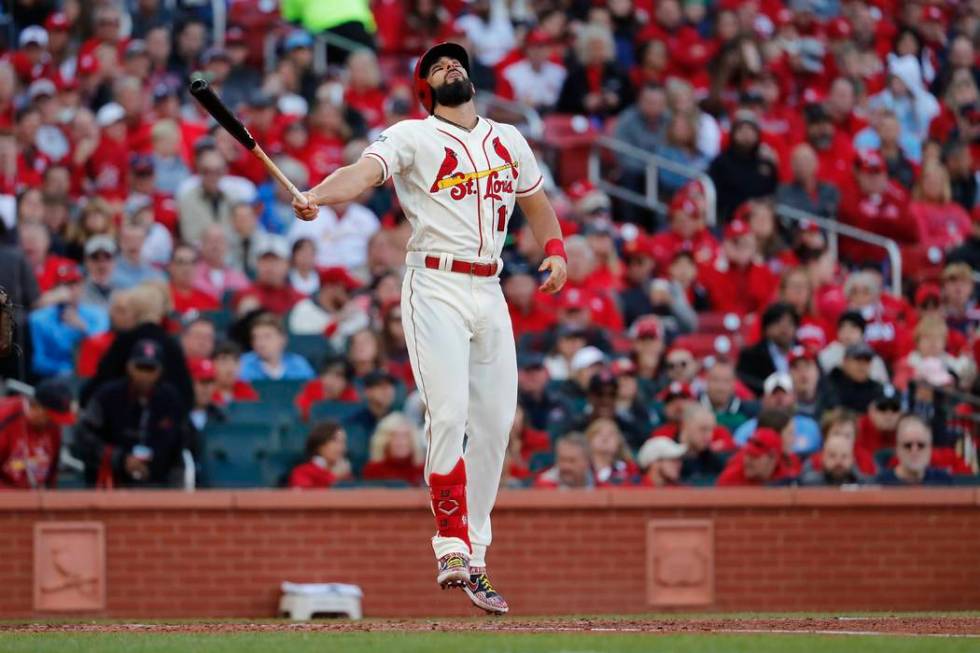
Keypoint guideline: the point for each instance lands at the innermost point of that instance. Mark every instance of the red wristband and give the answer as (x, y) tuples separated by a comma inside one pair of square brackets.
[(555, 247)]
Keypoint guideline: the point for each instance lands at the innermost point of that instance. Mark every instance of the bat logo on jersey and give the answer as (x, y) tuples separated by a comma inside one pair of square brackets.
[(463, 184)]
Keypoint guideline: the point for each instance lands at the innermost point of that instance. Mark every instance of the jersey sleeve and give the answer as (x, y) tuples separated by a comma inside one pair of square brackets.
[(530, 179), (393, 149)]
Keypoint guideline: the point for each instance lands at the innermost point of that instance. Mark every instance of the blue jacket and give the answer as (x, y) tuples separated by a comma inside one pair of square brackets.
[(295, 367), (808, 438), (55, 342)]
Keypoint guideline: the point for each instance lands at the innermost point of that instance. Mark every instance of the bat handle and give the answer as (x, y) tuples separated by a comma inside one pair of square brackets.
[(277, 173)]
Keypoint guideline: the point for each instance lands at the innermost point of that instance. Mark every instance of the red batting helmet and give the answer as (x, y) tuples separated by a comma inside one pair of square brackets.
[(446, 49)]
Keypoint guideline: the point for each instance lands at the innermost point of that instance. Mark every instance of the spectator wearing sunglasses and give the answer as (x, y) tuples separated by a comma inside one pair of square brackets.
[(913, 448)]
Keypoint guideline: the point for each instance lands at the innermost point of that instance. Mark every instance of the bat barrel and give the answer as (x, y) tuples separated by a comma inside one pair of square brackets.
[(199, 86)]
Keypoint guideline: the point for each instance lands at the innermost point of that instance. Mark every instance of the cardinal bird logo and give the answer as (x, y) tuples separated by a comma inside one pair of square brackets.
[(449, 164), (504, 154)]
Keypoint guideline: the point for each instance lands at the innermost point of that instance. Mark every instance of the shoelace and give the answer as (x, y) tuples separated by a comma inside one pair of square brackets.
[(484, 582)]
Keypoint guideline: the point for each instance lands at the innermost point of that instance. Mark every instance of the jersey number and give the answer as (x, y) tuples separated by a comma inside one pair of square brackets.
[(501, 217)]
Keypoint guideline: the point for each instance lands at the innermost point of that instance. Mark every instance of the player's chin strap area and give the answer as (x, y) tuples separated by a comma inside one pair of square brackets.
[(489, 267), (448, 493)]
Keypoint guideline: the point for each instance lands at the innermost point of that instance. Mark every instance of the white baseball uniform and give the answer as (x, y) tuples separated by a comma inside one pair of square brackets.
[(458, 189)]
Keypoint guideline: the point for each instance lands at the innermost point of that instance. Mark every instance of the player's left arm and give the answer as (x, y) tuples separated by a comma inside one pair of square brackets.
[(544, 224)]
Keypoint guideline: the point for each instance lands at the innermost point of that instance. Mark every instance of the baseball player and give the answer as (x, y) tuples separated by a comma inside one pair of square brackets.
[(457, 176)]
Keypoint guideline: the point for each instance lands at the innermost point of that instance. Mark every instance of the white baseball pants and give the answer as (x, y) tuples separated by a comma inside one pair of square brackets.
[(461, 345)]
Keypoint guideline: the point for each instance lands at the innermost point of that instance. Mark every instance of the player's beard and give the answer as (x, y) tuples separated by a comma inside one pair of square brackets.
[(455, 93)]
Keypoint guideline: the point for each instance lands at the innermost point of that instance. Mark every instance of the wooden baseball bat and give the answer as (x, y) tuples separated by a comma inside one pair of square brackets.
[(202, 92)]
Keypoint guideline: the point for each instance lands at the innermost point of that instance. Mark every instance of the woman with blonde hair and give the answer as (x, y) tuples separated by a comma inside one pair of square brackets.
[(95, 219), (395, 452), (931, 336), (941, 222), (595, 85), (612, 461)]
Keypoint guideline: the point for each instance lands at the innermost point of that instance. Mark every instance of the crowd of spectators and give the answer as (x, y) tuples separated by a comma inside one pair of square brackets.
[(162, 282)]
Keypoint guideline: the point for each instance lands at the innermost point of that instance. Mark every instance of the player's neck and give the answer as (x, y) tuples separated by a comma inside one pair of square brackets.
[(464, 116)]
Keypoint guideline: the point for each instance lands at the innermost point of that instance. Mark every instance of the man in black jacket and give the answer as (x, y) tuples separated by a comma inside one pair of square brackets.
[(134, 429), (746, 169), (771, 354), (851, 383)]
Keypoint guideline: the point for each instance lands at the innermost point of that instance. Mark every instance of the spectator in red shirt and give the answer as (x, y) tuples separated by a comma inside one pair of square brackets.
[(529, 313), (876, 428), (185, 296), (834, 150), (35, 243), (647, 340), (212, 274), (271, 287), (735, 281), (962, 312), (30, 436), (572, 469), (197, 338), (332, 384), (687, 232), (108, 166), (228, 386), (396, 452), (661, 460), (941, 222), (758, 463), (326, 458), (595, 84), (364, 92), (840, 423), (874, 204), (612, 462)]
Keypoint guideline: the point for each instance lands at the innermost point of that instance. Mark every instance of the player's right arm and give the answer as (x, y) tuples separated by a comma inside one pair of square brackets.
[(393, 152), (342, 185)]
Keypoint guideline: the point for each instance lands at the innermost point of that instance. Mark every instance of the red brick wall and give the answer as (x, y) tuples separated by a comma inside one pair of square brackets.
[(225, 553)]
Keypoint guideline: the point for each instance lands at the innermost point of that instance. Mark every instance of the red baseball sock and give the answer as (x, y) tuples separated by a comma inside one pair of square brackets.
[(448, 493)]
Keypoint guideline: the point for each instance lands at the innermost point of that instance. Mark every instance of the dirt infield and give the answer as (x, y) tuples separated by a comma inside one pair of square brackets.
[(863, 625)]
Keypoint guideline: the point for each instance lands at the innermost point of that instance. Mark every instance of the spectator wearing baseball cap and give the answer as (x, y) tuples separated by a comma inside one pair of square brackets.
[(269, 359), (100, 263), (805, 373), (874, 204), (757, 463), (736, 281), (771, 353), (528, 312), (30, 435), (271, 289), (133, 430), (778, 394), (58, 329), (686, 231), (205, 410), (543, 406), (601, 401), (851, 385), (851, 326), (661, 460), (331, 311)]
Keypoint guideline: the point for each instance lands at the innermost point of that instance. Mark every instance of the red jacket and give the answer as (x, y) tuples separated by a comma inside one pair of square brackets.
[(28, 457), (309, 475), (940, 225), (737, 290), (664, 246), (885, 215), (276, 300), (241, 391), (192, 300), (313, 392), (734, 472), (91, 351), (541, 317), (393, 470)]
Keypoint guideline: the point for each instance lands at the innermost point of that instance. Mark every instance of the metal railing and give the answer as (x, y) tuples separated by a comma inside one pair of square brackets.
[(529, 120), (835, 229), (652, 164)]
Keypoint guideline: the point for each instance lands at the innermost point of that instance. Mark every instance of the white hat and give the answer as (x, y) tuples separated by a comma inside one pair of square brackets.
[(100, 243), (34, 34), (109, 114), (293, 105), (41, 87), (586, 357), (777, 381), (659, 448), (272, 244)]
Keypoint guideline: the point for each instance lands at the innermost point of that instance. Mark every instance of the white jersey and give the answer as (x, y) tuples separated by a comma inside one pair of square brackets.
[(457, 187)]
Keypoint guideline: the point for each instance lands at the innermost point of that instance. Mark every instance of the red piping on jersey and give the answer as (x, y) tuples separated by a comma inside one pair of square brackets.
[(493, 202), (479, 201), (418, 362), (536, 184), (384, 164)]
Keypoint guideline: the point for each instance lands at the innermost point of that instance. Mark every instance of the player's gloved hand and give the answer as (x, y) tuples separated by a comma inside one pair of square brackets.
[(559, 272), (309, 211)]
